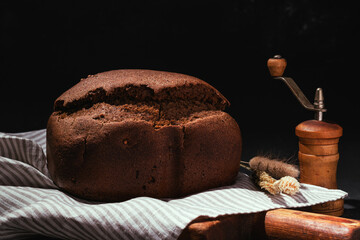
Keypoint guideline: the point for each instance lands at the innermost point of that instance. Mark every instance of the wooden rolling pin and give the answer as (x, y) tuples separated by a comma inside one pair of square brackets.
[(292, 224), (274, 224)]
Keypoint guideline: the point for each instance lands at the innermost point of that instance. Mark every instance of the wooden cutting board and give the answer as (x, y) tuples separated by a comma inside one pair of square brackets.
[(274, 224)]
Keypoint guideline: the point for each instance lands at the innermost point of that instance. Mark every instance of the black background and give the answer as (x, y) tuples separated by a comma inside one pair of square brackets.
[(47, 46)]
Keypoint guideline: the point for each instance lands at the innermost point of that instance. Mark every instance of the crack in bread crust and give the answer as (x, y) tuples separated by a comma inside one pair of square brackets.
[(164, 114), (142, 94)]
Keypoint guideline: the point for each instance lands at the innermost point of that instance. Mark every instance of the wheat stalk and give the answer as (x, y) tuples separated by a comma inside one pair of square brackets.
[(267, 171), (274, 167)]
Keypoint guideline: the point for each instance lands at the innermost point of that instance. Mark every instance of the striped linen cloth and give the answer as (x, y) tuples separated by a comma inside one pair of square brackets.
[(30, 204)]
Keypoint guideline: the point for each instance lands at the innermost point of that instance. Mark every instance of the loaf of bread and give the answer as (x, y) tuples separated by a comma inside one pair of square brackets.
[(127, 133)]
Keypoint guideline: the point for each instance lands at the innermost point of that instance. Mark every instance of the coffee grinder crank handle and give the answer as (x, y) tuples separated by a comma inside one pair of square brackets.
[(277, 66)]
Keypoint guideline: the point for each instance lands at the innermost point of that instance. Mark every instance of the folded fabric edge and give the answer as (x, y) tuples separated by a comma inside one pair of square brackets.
[(25, 150)]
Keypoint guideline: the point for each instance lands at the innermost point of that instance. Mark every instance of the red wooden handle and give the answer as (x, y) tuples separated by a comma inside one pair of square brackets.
[(293, 224)]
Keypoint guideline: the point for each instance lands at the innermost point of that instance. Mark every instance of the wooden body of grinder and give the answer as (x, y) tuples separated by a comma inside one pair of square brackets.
[(318, 142)]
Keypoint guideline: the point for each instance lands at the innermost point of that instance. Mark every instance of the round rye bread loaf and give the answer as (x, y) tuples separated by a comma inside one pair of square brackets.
[(127, 133)]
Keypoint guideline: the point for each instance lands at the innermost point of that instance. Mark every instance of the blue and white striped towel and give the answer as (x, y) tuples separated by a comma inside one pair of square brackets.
[(30, 204)]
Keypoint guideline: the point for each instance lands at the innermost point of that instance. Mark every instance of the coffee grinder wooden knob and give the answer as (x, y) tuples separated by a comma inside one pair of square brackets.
[(318, 142), (276, 66)]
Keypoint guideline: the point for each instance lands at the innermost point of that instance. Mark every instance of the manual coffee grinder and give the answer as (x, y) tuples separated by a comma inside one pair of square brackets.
[(318, 141)]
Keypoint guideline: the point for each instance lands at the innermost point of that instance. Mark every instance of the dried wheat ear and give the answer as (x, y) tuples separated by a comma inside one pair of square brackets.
[(287, 184), (274, 175), (274, 167)]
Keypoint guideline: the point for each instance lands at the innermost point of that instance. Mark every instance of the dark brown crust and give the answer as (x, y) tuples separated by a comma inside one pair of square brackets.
[(122, 86), (121, 160), (132, 151)]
